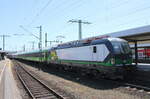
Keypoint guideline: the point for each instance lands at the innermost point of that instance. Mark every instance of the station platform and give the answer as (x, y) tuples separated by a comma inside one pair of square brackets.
[(143, 66), (8, 86)]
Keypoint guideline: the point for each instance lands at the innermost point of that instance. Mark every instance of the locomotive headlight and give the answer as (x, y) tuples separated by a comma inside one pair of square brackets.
[(112, 61)]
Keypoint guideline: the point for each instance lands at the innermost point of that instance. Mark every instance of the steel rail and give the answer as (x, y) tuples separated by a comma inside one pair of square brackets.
[(125, 83), (59, 96), (138, 86)]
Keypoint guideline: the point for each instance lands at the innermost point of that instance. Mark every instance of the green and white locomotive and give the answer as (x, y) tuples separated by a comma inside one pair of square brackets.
[(104, 55)]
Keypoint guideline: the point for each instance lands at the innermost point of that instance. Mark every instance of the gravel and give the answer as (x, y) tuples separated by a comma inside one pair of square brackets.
[(85, 88)]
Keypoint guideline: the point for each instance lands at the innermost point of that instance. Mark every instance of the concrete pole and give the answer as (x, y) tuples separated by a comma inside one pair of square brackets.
[(136, 53), (45, 39), (3, 42), (80, 29), (24, 48), (80, 26), (33, 45), (40, 37)]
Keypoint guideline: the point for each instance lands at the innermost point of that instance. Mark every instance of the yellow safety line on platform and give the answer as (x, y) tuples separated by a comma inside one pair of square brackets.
[(2, 72), (9, 63)]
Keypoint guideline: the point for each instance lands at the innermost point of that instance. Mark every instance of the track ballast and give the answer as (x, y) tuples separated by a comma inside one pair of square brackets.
[(35, 88)]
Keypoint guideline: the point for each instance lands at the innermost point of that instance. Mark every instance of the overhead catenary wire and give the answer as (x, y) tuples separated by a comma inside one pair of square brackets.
[(40, 12), (64, 9), (127, 24), (28, 31), (121, 16), (133, 21), (43, 9), (71, 6), (120, 4), (112, 6), (56, 13)]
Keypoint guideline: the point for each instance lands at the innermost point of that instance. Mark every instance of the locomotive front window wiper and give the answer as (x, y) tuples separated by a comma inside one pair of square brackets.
[(125, 47), (121, 47), (117, 47)]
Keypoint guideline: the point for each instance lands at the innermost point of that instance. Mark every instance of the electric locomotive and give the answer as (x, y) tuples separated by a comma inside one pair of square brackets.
[(104, 55)]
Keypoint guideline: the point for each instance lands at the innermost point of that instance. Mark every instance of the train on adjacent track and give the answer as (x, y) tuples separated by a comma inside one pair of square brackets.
[(144, 53), (110, 57)]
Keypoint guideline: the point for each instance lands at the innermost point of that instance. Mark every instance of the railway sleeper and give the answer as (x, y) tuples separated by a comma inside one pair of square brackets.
[(37, 87), (37, 90), (39, 93), (46, 95), (42, 94)]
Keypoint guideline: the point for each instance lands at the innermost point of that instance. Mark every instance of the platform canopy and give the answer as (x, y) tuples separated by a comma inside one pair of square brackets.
[(139, 37), (139, 34)]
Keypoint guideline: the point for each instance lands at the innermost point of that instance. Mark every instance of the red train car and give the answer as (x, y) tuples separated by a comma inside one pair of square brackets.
[(144, 53)]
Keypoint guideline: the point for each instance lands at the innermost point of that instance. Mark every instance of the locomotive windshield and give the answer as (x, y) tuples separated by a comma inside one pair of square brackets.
[(121, 47)]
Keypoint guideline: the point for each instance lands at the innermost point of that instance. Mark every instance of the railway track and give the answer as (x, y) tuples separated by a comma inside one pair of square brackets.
[(131, 85), (122, 83), (137, 87), (35, 88)]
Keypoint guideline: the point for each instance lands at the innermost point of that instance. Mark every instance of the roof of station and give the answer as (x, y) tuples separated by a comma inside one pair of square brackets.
[(135, 34)]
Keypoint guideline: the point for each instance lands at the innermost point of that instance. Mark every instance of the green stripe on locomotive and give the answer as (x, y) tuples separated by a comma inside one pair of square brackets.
[(119, 61), (48, 57), (86, 62), (108, 63)]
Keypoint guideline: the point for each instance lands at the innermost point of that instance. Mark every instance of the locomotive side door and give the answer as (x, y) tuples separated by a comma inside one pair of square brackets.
[(94, 53)]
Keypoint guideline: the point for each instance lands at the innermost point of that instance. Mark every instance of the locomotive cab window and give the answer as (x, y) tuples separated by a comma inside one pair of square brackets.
[(94, 49)]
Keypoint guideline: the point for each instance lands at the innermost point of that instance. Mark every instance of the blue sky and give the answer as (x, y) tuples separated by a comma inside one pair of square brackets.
[(106, 16)]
